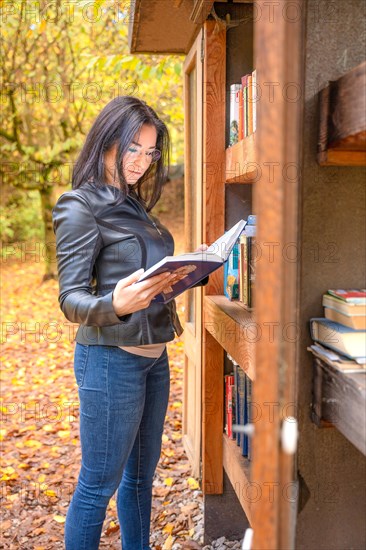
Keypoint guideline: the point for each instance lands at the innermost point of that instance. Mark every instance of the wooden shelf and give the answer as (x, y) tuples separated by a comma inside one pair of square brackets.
[(342, 127), (237, 468), (339, 398), (231, 324), (241, 165)]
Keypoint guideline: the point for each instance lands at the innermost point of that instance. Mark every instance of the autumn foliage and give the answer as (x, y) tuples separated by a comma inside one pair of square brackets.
[(40, 414)]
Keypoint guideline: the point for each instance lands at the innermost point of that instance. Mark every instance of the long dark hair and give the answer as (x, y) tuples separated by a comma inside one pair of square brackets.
[(119, 121)]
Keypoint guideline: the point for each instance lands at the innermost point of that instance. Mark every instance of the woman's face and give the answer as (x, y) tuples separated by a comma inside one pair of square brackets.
[(141, 153)]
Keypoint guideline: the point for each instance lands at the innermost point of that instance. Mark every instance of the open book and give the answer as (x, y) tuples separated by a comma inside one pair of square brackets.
[(191, 268)]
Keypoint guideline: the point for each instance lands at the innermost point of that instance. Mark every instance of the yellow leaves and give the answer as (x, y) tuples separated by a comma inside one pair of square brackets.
[(192, 483), (64, 434), (50, 493), (168, 543), (8, 474), (168, 529), (165, 438), (42, 26), (24, 466), (48, 428), (59, 519), (31, 443), (168, 452), (177, 404), (168, 481), (2, 434)]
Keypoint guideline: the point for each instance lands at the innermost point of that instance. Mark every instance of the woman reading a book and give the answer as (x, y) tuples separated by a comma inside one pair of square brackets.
[(105, 239)]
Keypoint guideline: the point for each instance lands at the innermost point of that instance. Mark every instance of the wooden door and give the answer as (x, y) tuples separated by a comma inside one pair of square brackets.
[(193, 238), (279, 61)]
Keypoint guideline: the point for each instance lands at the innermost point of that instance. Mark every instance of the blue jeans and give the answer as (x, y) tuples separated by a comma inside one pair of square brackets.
[(123, 402)]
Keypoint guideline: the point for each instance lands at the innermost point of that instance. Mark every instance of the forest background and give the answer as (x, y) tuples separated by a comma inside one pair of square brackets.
[(63, 60)]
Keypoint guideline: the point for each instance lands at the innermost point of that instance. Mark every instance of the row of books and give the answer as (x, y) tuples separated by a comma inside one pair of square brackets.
[(238, 397), (239, 270), (340, 336), (243, 115)]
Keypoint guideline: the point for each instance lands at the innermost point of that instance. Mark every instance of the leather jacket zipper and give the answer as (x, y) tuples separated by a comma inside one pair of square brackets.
[(146, 215)]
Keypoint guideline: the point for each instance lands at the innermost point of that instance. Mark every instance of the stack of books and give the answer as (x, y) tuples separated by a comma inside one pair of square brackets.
[(239, 270), (238, 410), (243, 115), (340, 336)]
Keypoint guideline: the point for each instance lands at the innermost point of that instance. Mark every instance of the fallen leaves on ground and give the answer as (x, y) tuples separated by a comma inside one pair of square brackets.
[(39, 433)]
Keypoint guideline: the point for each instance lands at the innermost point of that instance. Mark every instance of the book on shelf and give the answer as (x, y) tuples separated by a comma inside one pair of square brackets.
[(342, 306), (191, 268), (240, 115), (243, 116), (355, 321), (244, 93), (247, 263), (244, 412), (249, 411), (240, 402), (350, 296), (336, 360), (231, 274), (250, 104), (237, 412), (229, 404), (235, 90), (339, 338), (255, 98)]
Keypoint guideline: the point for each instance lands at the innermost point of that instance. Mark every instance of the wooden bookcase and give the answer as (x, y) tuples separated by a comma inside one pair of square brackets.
[(270, 161), (305, 181), (228, 325)]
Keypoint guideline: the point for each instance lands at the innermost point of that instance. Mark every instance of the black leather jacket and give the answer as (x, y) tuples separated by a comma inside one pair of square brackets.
[(98, 243)]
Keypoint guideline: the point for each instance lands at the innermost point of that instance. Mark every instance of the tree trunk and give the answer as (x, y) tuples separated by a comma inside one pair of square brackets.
[(48, 200)]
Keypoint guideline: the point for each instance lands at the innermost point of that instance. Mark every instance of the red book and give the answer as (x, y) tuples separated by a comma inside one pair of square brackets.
[(352, 296)]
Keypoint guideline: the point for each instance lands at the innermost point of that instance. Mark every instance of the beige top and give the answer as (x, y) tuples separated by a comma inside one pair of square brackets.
[(148, 350)]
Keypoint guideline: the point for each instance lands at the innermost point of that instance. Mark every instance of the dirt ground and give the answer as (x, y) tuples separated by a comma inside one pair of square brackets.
[(39, 432)]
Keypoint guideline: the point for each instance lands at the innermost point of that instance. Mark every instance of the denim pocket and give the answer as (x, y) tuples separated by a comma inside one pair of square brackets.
[(80, 362)]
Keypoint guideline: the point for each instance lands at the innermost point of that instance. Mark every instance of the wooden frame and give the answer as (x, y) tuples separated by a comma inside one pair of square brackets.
[(214, 51)]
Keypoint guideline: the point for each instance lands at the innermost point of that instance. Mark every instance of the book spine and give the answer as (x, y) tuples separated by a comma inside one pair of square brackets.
[(244, 446), (251, 271), (230, 407), (241, 396), (357, 322), (250, 105), (244, 269), (241, 114), (245, 117), (231, 280), (234, 114), (244, 84), (237, 409), (255, 99), (226, 388), (233, 399), (249, 412)]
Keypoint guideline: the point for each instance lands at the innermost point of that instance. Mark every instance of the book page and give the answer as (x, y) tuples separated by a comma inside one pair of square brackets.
[(223, 245)]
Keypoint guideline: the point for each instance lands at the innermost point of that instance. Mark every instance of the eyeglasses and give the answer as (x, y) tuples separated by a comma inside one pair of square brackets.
[(151, 155)]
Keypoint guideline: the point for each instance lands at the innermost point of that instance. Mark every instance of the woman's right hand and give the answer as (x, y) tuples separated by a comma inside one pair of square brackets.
[(129, 297)]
